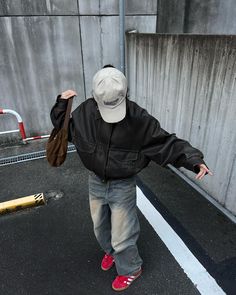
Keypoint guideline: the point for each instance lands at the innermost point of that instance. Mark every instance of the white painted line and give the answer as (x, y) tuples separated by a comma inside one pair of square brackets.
[(202, 280)]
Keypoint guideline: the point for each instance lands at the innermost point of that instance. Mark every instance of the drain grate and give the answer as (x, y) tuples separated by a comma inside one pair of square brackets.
[(29, 157)]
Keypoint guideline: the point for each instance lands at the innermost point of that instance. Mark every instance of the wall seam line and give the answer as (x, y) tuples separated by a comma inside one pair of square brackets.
[(81, 46)]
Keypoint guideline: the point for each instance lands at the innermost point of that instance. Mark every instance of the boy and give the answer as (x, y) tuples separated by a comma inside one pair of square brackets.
[(116, 139)]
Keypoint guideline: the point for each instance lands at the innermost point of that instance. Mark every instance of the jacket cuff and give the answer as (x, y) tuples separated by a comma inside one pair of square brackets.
[(61, 102), (192, 164)]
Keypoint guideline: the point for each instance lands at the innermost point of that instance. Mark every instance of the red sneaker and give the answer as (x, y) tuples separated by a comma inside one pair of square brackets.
[(123, 282), (107, 262)]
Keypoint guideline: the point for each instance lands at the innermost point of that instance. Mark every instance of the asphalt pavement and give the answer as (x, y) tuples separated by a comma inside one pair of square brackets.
[(51, 249)]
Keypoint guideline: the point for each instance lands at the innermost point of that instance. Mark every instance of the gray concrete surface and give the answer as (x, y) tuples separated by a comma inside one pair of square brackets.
[(38, 7), (19, 148), (171, 16), (45, 46), (39, 59), (188, 84), (109, 7), (101, 47), (196, 17), (50, 46)]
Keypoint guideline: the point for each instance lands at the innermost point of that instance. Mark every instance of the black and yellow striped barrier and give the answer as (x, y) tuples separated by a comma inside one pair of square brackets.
[(21, 203)]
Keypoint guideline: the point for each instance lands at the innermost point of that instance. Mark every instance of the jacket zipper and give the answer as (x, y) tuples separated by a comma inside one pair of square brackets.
[(107, 151)]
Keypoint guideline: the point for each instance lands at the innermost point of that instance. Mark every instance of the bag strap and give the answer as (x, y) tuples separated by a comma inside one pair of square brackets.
[(68, 110)]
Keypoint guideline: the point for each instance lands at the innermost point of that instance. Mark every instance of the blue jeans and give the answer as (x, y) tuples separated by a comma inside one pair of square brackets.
[(116, 225)]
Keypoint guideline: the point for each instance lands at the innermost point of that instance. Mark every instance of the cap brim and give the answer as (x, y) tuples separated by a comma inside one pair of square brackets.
[(113, 115)]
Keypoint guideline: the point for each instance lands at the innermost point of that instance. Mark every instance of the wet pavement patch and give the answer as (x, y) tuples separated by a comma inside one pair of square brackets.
[(53, 196)]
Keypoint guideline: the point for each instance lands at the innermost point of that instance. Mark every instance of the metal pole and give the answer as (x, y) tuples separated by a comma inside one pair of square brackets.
[(122, 34), (21, 203), (20, 122)]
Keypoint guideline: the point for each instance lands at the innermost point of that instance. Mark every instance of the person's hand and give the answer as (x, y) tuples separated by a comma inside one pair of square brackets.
[(68, 94), (202, 172)]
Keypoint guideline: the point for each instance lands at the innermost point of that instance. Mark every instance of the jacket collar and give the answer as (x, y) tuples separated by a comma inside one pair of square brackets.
[(98, 116), (97, 113)]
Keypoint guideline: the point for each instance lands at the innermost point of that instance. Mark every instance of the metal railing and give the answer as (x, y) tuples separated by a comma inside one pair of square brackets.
[(20, 125)]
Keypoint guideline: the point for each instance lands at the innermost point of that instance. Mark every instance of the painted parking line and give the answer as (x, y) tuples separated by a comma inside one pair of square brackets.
[(202, 280)]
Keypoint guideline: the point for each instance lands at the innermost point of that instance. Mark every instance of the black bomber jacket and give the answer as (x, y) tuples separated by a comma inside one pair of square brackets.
[(120, 150)]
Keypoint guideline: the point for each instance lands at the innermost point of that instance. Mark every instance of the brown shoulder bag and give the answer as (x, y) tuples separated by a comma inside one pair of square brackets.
[(56, 148)]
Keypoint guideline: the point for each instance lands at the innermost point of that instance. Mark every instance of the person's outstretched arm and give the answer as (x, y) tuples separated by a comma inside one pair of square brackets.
[(165, 148)]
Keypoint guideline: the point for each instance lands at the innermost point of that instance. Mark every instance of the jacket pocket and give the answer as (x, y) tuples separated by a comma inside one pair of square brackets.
[(86, 151), (124, 156), (122, 163)]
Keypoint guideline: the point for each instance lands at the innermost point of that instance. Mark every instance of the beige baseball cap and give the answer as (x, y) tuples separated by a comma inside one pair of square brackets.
[(109, 91)]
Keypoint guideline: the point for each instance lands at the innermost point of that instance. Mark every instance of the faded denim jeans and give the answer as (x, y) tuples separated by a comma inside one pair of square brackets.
[(116, 224)]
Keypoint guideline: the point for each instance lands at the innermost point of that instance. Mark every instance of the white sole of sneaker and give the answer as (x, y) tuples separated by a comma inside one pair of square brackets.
[(106, 269), (124, 288)]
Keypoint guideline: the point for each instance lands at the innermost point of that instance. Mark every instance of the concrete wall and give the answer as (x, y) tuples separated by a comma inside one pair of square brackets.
[(48, 46), (51, 45), (196, 16), (188, 82)]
